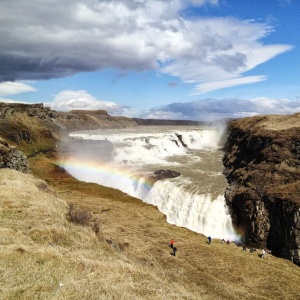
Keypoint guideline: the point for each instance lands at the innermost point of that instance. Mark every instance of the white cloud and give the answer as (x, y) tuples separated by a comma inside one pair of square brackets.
[(208, 109), (163, 115), (214, 109), (12, 88), (219, 49), (72, 100), (57, 38), (214, 85), (260, 54), (264, 105)]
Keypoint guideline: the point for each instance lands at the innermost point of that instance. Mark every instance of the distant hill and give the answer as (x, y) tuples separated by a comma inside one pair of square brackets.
[(168, 122)]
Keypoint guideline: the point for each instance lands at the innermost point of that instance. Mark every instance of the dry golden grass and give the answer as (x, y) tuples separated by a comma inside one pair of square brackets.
[(281, 122), (129, 259), (271, 122), (40, 138)]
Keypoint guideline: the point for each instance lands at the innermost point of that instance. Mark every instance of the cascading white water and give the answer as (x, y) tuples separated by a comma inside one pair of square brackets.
[(198, 212), (194, 200), (152, 147)]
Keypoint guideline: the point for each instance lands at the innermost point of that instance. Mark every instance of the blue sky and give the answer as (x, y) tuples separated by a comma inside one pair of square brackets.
[(170, 59)]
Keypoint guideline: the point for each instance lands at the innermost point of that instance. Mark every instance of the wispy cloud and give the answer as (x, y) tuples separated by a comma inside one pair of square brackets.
[(13, 88), (214, 85), (52, 39)]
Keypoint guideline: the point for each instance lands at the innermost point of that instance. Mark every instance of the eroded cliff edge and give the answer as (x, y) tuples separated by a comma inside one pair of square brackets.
[(262, 166)]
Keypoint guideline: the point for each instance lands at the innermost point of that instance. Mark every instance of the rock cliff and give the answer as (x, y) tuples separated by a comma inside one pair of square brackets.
[(35, 128), (262, 165)]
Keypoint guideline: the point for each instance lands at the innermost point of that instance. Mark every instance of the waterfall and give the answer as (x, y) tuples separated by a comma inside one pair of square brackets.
[(198, 212), (194, 200)]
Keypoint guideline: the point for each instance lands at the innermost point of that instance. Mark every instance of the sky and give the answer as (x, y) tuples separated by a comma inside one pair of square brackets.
[(163, 59)]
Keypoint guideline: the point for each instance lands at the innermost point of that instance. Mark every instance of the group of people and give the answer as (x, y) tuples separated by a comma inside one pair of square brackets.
[(251, 250), (209, 239), (227, 242), (262, 255)]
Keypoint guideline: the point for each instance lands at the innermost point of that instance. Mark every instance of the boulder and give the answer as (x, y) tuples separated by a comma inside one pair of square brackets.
[(162, 174)]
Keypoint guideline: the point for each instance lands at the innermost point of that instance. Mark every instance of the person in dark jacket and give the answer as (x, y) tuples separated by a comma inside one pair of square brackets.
[(174, 250)]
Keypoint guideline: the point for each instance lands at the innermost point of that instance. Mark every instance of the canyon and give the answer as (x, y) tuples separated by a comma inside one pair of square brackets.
[(261, 164)]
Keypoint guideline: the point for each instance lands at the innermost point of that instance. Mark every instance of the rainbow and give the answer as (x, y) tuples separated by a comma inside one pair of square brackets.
[(98, 172)]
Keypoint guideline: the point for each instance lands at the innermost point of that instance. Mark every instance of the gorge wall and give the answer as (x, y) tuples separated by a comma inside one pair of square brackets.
[(262, 166)]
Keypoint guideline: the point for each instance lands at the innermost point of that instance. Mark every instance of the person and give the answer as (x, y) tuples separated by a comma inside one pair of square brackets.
[(263, 253), (209, 239), (174, 250), (172, 243)]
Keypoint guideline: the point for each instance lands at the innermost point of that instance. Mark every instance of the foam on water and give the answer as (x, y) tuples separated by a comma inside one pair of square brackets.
[(133, 148)]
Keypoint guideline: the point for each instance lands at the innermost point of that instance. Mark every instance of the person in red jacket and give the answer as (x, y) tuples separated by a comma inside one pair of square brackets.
[(172, 243)]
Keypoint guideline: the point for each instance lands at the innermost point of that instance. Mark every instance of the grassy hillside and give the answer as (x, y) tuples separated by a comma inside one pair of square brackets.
[(45, 255)]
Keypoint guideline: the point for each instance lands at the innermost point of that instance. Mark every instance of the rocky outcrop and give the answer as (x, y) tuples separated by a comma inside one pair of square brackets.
[(12, 158), (262, 165), (34, 128), (162, 174)]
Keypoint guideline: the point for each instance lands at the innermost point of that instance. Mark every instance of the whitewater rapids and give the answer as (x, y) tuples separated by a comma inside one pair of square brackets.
[(194, 200)]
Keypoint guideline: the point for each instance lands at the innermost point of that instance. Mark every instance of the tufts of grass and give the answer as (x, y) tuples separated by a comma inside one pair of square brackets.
[(80, 217)]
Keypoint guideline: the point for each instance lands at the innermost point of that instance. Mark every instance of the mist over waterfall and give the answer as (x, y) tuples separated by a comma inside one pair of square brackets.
[(126, 159)]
